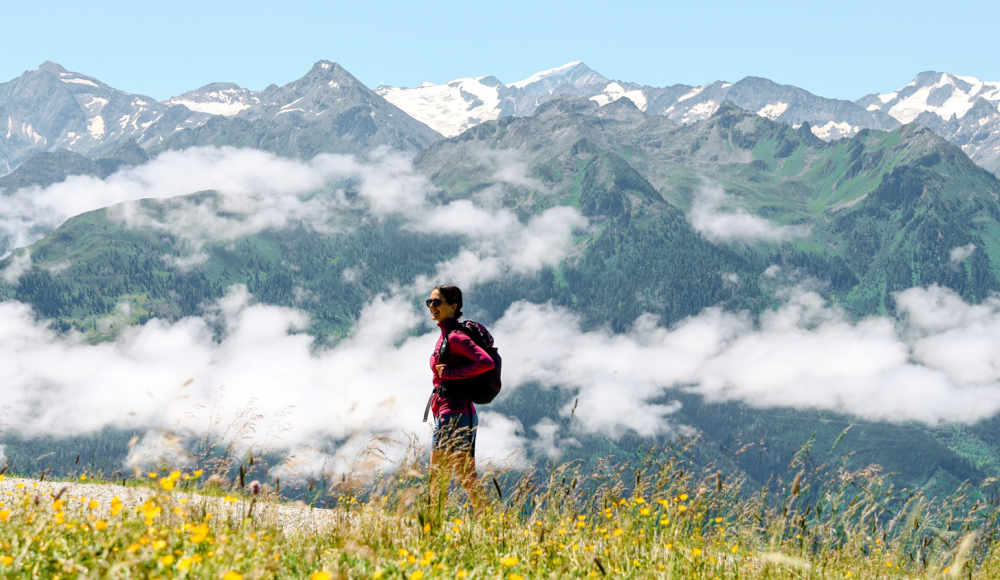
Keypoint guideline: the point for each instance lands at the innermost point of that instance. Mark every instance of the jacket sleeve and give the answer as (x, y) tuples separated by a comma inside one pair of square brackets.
[(459, 343)]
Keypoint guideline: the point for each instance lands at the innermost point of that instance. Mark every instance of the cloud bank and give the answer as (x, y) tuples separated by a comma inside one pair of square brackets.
[(711, 217), (935, 363)]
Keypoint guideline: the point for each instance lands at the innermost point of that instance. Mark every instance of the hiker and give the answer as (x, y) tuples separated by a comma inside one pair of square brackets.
[(455, 421)]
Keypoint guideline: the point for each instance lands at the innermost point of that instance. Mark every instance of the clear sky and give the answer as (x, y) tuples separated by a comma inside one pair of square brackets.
[(842, 49)]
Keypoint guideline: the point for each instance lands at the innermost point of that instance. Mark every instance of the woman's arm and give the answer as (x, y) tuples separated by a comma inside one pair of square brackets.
[(460, 343)]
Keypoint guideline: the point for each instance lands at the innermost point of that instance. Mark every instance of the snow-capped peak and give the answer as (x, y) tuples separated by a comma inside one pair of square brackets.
[(543, 74), (224, 99), (449, 108), (943, 94)]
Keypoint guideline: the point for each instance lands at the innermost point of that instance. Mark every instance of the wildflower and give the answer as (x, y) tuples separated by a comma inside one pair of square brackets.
[(167, 483), (664, 522), (515, 577), (644, 511), (167, 560), (411, 559), (6, 560), (100, 525), (403, 552), (735, 548), (196, 559), (618, 532), (199, 533), (508, 561), (4, 515), (184, 564), (133, 548), (175, 475), (427, 528), (321, 576), (462, 574), (151, 474), (254, 487), (116, 506), (199, 472), (684, 497), (718, 520), (696, 552), (417, 575), (232, 575), (58, 504), (159, 545), (377, 574)]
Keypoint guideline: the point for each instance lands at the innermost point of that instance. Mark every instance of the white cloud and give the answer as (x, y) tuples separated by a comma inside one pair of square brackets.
[(498, 242), (959, 254), (713, 216), (935, 363), (256, 190), (19, 264)]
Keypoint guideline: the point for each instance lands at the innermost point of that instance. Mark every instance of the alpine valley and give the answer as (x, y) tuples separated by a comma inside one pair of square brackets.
[(855, 202)]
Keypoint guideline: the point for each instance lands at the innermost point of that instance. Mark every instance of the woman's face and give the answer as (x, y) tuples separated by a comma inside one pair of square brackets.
[(440, 310)]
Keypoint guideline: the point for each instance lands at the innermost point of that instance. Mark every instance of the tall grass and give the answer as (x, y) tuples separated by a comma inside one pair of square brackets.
[(656, 517)]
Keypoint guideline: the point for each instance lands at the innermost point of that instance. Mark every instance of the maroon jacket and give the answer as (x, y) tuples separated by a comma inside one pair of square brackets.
[(467, 360)]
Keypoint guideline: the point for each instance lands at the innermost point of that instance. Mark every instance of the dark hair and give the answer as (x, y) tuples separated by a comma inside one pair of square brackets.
[(452, 295)]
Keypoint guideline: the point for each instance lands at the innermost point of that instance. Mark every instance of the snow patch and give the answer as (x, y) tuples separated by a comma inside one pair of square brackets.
[(447, 108), (834, 130), (773, 111), (80, 82), (692, 93), (541, 75), (615, 91), (700, 112), (95, 127), (325, 65)]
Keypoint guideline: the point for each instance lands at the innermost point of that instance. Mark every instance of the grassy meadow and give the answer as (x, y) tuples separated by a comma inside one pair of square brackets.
[(654, 517)]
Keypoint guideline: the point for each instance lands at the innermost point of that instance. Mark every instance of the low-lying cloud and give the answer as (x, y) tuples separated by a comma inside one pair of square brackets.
[(714, 216), (934, 363)]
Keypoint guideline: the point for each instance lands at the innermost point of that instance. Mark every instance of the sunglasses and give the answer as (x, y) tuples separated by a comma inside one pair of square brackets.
[(433, 302)]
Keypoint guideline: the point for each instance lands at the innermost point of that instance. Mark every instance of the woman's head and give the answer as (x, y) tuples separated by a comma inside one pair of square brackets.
[(445, 302)]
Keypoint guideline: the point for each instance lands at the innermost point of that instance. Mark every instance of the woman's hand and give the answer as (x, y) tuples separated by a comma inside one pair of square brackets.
[(440, 370)]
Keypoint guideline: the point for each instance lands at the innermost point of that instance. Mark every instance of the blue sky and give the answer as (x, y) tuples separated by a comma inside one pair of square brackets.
[(841, 49)]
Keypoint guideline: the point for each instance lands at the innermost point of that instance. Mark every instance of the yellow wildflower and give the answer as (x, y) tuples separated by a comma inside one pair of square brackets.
[(4, 515), (116, 506), (684, 497), (175, 475), (321, 576), (184, 564), (167, 483), (644, 511), (6, 560), (232, 575), (508, 561), (100, 525), (417, 575), (618, 532), (696, 552), (167, 560)]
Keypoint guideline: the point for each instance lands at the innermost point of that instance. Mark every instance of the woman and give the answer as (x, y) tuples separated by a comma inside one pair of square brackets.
[(455, 421)]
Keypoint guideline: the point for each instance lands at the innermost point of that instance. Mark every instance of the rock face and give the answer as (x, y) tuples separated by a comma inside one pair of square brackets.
[(327, 110), (453, 107), (962, 109), (52, 108), (45, 168)]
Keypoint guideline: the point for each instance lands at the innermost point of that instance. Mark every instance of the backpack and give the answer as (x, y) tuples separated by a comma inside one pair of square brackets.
[(480, 389)]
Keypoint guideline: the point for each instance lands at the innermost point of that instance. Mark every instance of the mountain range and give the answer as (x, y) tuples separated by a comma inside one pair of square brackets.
[(328, 110)]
